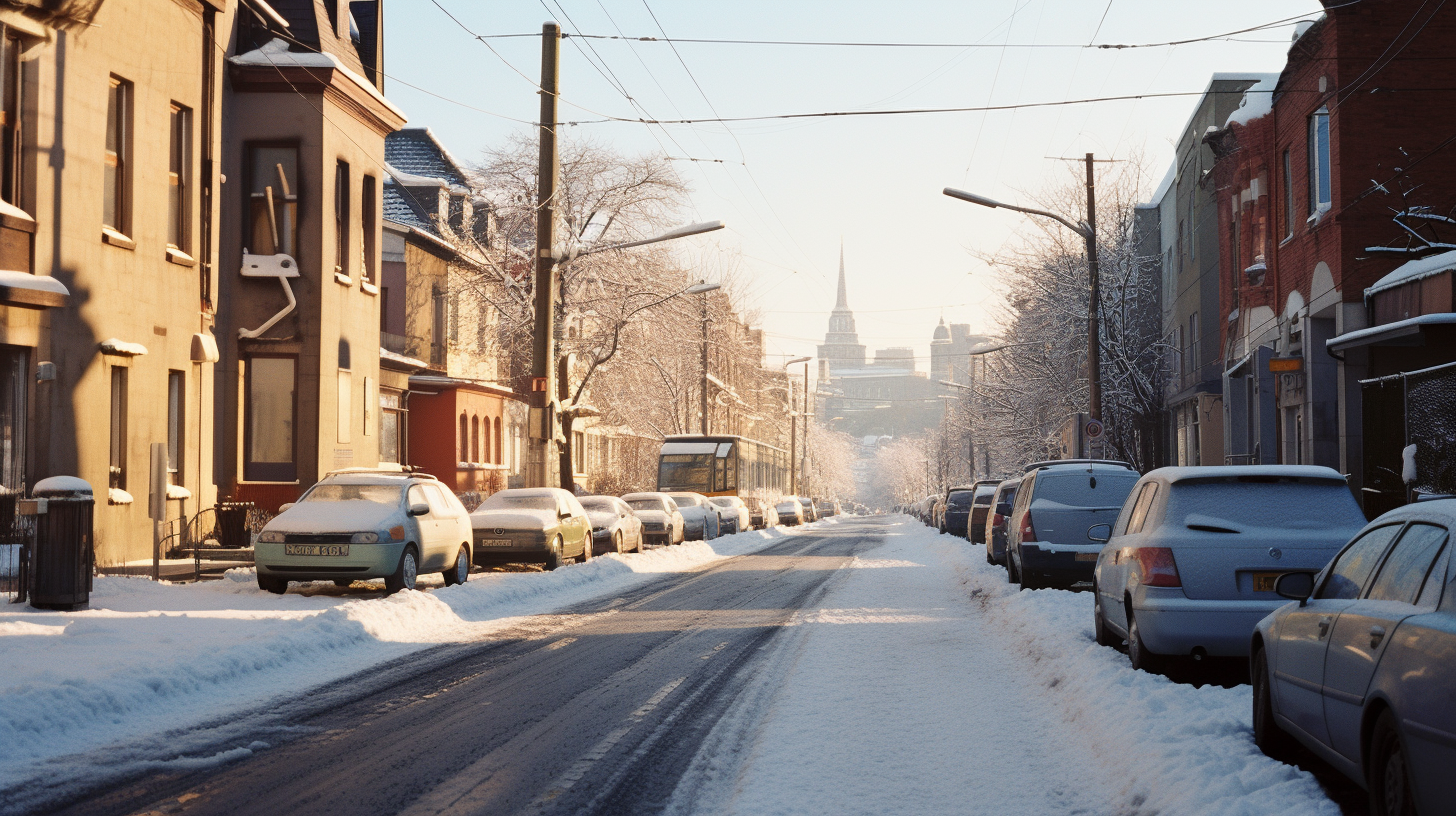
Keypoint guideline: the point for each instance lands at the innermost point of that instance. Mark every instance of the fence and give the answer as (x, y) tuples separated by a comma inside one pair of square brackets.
[(17, 537)]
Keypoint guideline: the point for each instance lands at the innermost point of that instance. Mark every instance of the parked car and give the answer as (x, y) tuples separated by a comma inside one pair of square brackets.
[(362, 523), (615, 528), (733, 514), (1046, 540), (700, 517), (789, 511), (1190, 563), (975, 530), (763, 515), (662, 522), (937, 513), (827, 507), (957, 508), (996, 519), (810, 514), (1361, 669), (533, 525)]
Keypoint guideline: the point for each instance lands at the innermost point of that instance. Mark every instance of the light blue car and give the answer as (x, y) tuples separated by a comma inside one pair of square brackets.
[(362, 523), (1362, 670), (1188, 567)]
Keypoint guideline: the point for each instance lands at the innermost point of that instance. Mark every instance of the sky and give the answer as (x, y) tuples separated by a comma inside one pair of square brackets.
[(792, 190)]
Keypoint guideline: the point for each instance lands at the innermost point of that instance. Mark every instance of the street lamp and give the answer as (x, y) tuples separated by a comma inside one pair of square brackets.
[(703, 289), (1088, 230), (793, 425)]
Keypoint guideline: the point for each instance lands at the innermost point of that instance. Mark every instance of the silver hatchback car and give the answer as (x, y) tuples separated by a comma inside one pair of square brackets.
[(362, 523)]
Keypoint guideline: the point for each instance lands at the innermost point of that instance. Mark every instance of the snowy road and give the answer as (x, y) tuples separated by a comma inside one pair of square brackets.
[(867, 666)]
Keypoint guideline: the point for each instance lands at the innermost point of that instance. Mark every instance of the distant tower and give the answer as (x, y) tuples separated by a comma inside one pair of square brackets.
[(942, 353), (841, 348)]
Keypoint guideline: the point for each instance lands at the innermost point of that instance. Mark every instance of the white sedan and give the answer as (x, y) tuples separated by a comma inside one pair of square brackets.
[(733, 514)]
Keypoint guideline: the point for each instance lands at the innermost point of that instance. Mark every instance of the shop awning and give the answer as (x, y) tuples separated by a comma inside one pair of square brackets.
[(1388, 332)]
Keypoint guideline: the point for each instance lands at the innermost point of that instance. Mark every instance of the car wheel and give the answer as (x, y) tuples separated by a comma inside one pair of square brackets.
[(588, 548), (617, 544), (459, 572), (268, 583), (641, 541), (1388, 777), (1268, 736), (989, 559), (553, 558), (1137, 651), (1011, 576), (1099, 621), (405, 574)]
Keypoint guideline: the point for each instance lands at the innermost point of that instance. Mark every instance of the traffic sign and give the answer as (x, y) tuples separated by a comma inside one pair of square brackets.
[(1093, 430)]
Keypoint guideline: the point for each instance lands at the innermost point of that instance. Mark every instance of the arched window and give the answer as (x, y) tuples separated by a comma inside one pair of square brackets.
[(464, 438), (500, 458), (475, 439)]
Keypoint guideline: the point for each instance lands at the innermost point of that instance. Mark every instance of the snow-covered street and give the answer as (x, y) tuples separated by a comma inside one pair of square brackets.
[(851, 666)]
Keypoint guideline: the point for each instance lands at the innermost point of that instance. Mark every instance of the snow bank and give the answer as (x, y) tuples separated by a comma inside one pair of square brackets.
[(148, 658), (923, 683)]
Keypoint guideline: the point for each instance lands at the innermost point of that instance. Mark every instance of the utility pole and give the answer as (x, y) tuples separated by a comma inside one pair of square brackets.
[(543, 352), (703, 397), (804, 453), (1094, 344), (793, 444), (971, 416)]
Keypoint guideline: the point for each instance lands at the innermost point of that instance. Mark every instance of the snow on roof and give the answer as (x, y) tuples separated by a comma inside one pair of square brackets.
[(1415, 270), (275, 53), (1399, 328), (1163, 187), (115, 346), (1178, 474), (1257, 102), (386, 354), (417, 151)]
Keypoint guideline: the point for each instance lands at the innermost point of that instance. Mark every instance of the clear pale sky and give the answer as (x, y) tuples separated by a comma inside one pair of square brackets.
[(873, 182)]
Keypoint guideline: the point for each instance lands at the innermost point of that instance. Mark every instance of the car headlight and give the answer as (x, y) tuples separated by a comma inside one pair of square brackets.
[(364, 538), (270, 537)]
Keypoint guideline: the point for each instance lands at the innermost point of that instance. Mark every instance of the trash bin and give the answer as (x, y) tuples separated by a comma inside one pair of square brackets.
[(232, 525), (62, 560)]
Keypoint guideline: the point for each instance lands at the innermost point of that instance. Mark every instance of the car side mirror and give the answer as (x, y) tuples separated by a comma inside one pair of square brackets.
[(284, 506), (1101, 533), (419, 509), (1296, 586)]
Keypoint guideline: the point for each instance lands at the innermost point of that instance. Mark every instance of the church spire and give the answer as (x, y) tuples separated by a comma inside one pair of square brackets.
[(843, 302)]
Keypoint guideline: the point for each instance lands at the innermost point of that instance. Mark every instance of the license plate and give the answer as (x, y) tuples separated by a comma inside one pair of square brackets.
[(315, 549), (496, 542), (1264, 581), (1086, 556)]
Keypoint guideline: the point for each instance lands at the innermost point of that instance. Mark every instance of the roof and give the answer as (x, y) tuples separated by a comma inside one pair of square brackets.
[(1388, 331), (417, 152), (401, 208), (1179, 474), (1414, 271)]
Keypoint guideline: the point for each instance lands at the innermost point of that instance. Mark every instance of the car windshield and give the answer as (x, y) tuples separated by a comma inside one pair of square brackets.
[(984, 494), (1080, 489), (685, 501), (959, 500), (335, 492), (504, 502), (600, 505), (723, 501), (1242, 502), (644, 504)]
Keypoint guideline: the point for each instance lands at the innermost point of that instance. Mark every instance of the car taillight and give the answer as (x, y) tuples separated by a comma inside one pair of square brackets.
[(1158, 567), (1028, 532), (998, 520)]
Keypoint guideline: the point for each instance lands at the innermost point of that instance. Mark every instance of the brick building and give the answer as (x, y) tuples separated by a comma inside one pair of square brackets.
[(1363, 98)]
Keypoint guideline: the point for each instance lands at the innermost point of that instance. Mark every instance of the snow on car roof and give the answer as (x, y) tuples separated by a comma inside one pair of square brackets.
[(365, 476), (537, 492), (1178, 474)]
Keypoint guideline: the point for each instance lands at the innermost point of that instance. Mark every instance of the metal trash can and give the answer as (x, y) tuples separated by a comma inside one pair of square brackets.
[(63, 559), (232, 525)]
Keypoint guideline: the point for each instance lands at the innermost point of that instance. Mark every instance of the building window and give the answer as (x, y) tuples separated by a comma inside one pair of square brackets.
[(344, 413), (500, 458), (117, 461), (271, 409), (437, 326), (369, 225), (118, 152), (475, 440), (464, 438), (179, 187), (14, 377), (1288, 196), (1195, 358), (1236, 248), (391, 425), (273, 200), (1319, 161), (341, 218), (176, 410), (11, 75)]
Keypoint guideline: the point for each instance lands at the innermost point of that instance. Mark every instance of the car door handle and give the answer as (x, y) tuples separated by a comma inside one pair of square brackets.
[(1377, 634), (1324, 626)]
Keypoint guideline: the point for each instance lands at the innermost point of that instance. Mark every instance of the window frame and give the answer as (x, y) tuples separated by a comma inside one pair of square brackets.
[(1288, 195), (1329, 571), (116, 206), (12, 116), (342, 223), (176, 424), (119, 409), (369, 226), (1392, 549), (179, 177), (254, 471), (294, 197), (1321, 171)]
